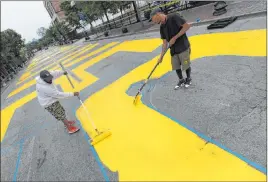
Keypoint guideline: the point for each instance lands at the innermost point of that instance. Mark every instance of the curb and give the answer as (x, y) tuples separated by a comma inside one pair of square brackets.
[(239, 17)]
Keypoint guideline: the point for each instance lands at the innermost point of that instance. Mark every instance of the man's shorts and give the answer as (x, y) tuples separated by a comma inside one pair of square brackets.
[(181, 61), (57, 111)]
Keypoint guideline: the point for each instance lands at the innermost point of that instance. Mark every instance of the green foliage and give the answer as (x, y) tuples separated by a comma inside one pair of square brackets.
[(71, 14), (41, 31), (13, 51), (11, 45)]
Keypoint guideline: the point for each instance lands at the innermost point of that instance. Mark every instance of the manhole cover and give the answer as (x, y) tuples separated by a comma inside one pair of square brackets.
[(222, 23)]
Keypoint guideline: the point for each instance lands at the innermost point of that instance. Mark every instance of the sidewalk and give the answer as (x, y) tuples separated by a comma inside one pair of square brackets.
[(204, 13)]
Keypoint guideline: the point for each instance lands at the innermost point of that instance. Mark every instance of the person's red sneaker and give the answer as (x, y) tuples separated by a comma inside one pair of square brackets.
[(71, 123), (72, 129)]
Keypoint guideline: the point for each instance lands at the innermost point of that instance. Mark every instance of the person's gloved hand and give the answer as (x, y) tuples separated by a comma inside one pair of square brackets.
[(76, 93), (65, 72)]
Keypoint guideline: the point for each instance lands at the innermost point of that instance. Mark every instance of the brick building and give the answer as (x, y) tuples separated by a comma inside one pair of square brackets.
[(54, 10)]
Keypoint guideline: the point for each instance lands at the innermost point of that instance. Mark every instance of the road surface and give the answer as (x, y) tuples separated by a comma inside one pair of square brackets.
[(215, 130)]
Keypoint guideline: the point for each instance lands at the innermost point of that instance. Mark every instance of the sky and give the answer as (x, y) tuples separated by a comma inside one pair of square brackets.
[(25, 17)]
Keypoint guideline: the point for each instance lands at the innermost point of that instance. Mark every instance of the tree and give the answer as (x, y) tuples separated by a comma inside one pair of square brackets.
[(135, 10), (62, 29), (102, 7), (12, 41), (41, 31), (11, 51), (71, 14), (87, 8)]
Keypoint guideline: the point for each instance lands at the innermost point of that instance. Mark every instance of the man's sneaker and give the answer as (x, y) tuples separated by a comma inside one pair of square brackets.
[(70, 123), (188, 82), (180, 84), (72, 129)]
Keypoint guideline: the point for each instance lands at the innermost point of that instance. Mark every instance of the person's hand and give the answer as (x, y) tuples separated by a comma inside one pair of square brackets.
[(172, 41), (65, 72), (76, 93), (160, 60)]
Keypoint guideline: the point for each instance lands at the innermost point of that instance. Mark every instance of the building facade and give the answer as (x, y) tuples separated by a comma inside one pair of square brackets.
[(54, 10)]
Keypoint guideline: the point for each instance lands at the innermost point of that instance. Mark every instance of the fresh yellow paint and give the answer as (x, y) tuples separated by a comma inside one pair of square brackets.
[(8, 112), (25, 75), (24, 86), (90, 54), (32, 82), (68, 57), (42, 58), (80, 52), (52, 62), (147, 146), (80, 72), (64, 48)]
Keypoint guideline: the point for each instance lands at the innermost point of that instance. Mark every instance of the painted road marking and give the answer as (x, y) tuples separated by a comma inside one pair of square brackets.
[(87, 79), (32, 82), (69, 56), (69, 53), (146, 145), (156, 150)]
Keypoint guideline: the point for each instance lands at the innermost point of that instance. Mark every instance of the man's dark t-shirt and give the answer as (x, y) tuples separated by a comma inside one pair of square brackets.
[(172, 27)]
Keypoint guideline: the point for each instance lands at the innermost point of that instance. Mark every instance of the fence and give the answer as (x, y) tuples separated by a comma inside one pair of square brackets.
[(130, 17)]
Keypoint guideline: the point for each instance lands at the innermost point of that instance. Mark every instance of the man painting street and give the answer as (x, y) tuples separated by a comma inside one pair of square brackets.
[(48, 96), (173, 32)]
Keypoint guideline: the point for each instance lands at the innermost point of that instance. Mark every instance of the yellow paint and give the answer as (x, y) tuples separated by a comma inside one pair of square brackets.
[(65, 57), (79, 71), (145, 46), (64, 48), (68, 57), (146, 145), (31, 65), (68, 52), (41, 59), (25, 86), (8, 112), (86, 78), (24, 76), (79, 53), (90, 54)]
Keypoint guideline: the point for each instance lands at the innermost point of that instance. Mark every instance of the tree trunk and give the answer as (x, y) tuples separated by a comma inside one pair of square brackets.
[(135, 10), (102, 19), (105, 12), (64, 38), (121, 10)]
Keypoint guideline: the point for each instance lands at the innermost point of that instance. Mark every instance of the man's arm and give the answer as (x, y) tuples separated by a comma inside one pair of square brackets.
[(59, 95), (164, 47), (181, 23)]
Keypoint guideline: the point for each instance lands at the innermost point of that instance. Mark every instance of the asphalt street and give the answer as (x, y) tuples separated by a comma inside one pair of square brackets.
[(226, 103)]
